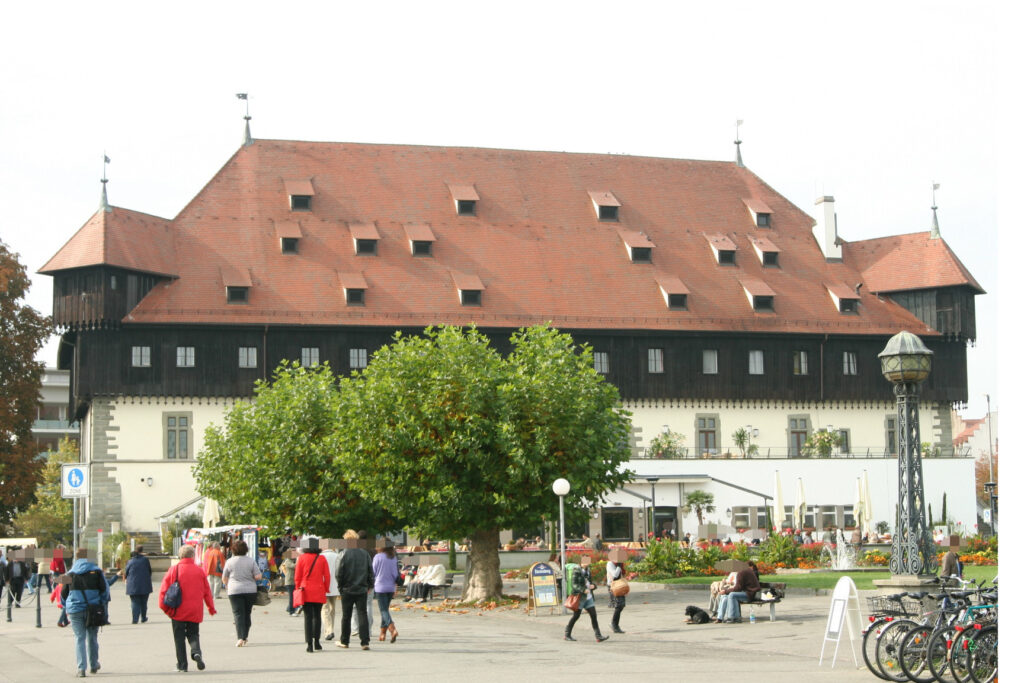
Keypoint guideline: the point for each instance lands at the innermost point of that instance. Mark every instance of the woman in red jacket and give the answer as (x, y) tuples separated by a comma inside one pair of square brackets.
[(312, 581), (185, 619)]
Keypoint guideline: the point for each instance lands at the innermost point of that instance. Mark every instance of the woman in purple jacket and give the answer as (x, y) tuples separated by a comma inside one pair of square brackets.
[(385, 575)]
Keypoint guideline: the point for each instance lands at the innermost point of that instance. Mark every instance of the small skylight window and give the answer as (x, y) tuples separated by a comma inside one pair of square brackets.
[(302, 202), (764, 304), (639, 248), (727, 257), (289, 245), (236, 284), (471, 297), (760, 212), (605, 204), (722, 247), (848, 305), (770, 258), (465, 198), (364, 238), (470, 289), (674, 291), (300, 194), (289, 233), (759, 294), (764, 220), (368, 247), (421, 239), (354, 287), (766, 251), (422, 248), (844, 298), (640, 254), (238, 295), (466, 207), (355, 297)]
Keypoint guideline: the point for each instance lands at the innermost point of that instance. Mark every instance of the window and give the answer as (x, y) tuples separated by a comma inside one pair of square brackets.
[(677, 302), (849, 363), (608, 213), (844, 441), (140, 357), (755, 364), (366, 247), (177, 436), (770, 259), (357, 358), (466, 207), (238, 295), (847, 305), (186, 357), (799, 425), (310, 356), (302, 202), (246, 356), (422, 248), (471, 297), (828, 516), (810, 515), (764, 220), (764, 304), (727, 257), (355, 297), (799, 362), (289, 245), (890, 435), (640, 254), (707, 434), (601, 362), (655, 361), (710, 362), (762, 517), (848, 519), (617, 524), (741, 517)]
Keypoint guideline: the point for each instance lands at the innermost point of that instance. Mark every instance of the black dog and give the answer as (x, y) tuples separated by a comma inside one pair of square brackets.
[(695, 615)]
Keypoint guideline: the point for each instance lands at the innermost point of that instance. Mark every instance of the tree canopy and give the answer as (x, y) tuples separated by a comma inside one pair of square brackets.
[(272, 462), (464, 442), (23, 331), (48, 519)]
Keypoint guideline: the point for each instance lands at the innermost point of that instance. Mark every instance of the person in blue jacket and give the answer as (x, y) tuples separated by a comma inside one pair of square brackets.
[(138, 584), (88, 587)]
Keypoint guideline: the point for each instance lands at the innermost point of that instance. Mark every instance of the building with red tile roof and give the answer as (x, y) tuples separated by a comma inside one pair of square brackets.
[(708, 298)]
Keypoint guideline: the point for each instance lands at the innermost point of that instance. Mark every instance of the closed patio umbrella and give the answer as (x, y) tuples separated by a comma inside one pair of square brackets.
[(865, 509), (779, 508), (800, 508), (211, 513)]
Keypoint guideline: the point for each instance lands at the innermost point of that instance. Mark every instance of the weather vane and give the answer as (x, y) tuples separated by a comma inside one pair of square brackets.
[(247, 140), (738, 142), (935, 212)]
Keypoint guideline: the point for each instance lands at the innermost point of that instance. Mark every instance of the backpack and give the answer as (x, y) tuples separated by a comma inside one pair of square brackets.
[(577, 583)]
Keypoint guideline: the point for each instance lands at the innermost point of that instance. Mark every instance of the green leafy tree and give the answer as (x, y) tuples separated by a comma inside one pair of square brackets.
[(821, 443), (464, 442), (48, 519), (699, 502), (666, 445), (273, 461), (23, 331)]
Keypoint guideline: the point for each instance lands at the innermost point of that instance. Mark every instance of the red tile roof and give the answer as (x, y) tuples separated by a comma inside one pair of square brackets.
[(121, 238), (970, 427), (912, 261), (535, 243)]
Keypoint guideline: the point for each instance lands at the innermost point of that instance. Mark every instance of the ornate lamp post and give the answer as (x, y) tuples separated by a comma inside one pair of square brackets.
[(906, 362), (561, 489)]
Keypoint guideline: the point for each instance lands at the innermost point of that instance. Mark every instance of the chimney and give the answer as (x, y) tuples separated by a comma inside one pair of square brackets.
[(825, 228)]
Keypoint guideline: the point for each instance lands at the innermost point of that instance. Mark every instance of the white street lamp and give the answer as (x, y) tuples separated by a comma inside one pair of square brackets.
[(561, 489)]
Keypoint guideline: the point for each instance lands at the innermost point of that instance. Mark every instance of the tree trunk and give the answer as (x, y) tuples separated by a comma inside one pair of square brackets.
[(483, 577)]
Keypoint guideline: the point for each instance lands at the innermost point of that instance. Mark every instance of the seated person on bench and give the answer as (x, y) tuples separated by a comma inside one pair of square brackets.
[(747, 585), (718, 588), (422, 586)]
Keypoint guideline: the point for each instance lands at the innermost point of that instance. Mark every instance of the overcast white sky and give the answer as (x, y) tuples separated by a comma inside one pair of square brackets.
[(869, 103)]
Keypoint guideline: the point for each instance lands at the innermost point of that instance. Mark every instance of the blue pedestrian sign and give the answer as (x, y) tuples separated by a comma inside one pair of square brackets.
[(74, 481)]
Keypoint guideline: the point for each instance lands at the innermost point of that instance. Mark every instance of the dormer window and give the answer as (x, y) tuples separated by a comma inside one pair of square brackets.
[(605, 204), (300, 194), (760, 213), (354, 287), (674, 292), (364, 238), (723, 248), (289, 233), (421, 239), (760, 296), (236, 285), (845, 299), (465, 198), (470, 289), (766, 251), (639, 248)]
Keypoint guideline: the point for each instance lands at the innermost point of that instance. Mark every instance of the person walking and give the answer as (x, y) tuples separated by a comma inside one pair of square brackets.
[(578, 582), (88, 588), (332, 595), (15, 576), (385, 579), (186, 617), (240, 576), (288, 571), (57, 566), (213, 563), (312, 581), (614, 571), (355, 581), (138, 584)]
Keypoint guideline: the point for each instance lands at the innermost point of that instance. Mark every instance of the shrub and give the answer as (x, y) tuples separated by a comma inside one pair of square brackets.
[(777, 550)]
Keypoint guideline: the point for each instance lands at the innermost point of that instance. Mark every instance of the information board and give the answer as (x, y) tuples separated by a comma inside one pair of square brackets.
[(543, 586), (74, 480)]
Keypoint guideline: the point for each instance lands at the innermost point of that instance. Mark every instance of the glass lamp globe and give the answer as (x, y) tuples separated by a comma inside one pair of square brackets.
[(906, 359), (561, 487)]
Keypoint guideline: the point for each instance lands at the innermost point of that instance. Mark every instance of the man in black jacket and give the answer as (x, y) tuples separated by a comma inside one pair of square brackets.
[(355, 579), (15, 576)]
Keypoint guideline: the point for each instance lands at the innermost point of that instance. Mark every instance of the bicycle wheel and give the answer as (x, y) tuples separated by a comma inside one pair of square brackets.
[(983, 659), (958, 654), (887, 648), (867, 647), (914, 655), (938, 649)]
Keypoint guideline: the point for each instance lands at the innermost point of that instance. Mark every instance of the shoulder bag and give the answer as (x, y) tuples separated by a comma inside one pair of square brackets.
[(299, 594), (573, 602), (620, 588), (95, 615), (172, 596)]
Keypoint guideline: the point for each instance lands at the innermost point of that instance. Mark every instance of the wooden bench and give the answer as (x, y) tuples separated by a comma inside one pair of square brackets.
[(444, 587), (780, 592)]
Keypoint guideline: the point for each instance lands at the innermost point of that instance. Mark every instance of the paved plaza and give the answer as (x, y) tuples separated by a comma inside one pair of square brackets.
[(496, 645)]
